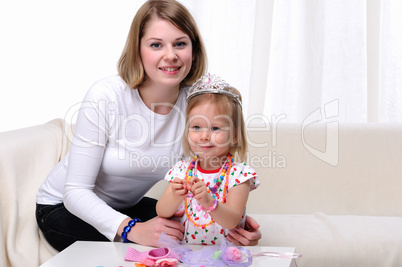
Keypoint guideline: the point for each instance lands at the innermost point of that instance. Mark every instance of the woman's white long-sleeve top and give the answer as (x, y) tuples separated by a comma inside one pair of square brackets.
[(120, 149)]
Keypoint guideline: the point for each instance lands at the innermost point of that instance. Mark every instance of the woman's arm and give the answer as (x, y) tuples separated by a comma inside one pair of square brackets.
[(148, 233), (228, 214), (85, 158), (174, 194)]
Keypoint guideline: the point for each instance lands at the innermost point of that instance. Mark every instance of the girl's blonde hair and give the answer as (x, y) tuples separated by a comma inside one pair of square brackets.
[(130, 65), (225, 105)]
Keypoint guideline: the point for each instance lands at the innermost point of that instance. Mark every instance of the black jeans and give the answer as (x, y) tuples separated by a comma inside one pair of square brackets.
[(61, 228)]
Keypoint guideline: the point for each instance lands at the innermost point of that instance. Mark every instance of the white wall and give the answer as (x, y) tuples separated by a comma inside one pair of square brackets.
[(52, 51)]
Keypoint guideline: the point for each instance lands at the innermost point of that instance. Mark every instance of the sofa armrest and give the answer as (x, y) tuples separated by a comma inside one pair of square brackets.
[(26, 157)]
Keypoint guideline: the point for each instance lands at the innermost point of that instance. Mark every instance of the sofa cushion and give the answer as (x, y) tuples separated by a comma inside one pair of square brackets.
[(349, 169), (335, 240)]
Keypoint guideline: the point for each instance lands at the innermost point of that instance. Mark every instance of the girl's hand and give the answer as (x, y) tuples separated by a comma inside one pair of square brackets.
[(199, 189), (179, 187), (148, 233)]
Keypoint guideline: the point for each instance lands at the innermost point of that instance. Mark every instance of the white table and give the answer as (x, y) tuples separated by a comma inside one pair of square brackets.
[(111, 254)]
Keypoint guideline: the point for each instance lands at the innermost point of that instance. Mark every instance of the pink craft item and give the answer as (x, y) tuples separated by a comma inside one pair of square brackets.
[(154, 254)]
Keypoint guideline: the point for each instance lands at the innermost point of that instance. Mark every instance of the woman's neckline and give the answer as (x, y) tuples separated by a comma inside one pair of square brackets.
[(159, 107)]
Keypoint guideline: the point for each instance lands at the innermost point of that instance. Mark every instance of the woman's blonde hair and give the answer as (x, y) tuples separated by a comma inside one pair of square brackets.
[(130, 65), (227, 105)]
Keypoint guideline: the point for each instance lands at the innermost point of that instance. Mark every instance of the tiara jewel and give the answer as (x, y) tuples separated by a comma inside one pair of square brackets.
[(211, 84)]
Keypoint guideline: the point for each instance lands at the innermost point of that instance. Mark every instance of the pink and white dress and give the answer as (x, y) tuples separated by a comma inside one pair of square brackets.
[(211, 234)]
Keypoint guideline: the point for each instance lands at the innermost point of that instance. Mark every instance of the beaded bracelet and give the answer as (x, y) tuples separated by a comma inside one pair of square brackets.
[(213, 207), (128, 228)]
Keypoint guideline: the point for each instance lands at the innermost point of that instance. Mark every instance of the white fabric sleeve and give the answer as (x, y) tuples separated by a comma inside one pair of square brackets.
[(177, 170), (241, 172), (85, 158)]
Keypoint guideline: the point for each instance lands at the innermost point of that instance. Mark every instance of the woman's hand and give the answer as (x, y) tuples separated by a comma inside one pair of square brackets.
[(148, 233), (248, 236)]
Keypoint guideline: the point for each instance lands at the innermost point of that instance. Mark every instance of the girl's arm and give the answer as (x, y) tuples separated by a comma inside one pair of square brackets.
[(229, 214), (171, 198)]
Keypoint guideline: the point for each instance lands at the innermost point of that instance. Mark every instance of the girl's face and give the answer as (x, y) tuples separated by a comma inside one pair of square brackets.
[(210, 135), (166, 53)]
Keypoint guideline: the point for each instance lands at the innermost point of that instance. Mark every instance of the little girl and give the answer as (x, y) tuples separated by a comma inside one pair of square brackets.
[(213, 137)]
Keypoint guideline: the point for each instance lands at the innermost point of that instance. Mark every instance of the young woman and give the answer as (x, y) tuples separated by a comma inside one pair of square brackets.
[(127, 124)]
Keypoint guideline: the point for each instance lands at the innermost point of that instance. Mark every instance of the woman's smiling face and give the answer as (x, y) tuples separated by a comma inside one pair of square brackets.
[(166, 53)]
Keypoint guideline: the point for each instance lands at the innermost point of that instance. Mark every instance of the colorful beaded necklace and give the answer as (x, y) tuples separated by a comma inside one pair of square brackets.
[(225, 172)]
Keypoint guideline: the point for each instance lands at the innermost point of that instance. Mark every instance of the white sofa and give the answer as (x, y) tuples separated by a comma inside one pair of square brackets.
[(332, 191)]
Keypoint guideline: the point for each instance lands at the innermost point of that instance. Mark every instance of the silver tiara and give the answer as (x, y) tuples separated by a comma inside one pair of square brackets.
[(211, 84)]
